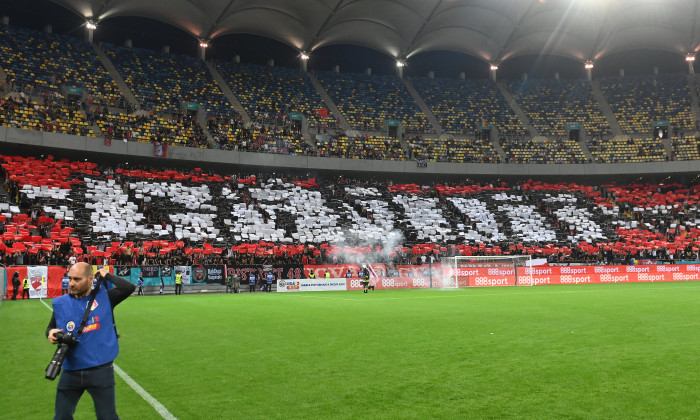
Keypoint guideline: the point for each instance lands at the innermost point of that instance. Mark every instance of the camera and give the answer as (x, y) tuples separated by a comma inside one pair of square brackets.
[(65, 342)]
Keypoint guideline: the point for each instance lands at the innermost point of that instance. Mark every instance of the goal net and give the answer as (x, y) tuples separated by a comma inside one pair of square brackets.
[(505, 270)]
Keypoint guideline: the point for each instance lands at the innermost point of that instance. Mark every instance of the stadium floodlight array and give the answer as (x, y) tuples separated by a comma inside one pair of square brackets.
[(503, 270)]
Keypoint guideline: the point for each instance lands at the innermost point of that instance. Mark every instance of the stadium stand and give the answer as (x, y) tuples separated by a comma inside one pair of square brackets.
[(180, 129), (18, 111), (369, 101), (61, 208), (362, 147), (628, 149), (552, 104), (463, 106), (453, 149), (165, 82), (686, 148), (637, 101), (544, 151), (275, 91), (38, 63)]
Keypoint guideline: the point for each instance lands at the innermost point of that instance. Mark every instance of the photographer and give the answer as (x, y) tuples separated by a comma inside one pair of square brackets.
[(88, 364)]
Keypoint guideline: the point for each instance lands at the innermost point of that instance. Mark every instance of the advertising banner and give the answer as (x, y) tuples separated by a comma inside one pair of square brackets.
[(311, 285)]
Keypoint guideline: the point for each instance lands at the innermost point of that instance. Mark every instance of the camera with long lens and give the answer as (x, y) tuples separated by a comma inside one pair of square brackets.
[(65, 342)]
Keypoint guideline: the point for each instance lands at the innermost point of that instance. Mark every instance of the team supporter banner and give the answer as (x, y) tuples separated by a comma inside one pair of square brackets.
[(123, 271), (38, 281), (292, 272), (150, 271), (312, 285), (208, 274)]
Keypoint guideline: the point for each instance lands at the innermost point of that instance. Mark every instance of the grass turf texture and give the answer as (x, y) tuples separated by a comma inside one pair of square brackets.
[(594, 351)]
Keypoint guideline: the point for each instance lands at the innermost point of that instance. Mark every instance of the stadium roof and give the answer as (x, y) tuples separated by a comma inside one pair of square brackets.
[(493, 30)]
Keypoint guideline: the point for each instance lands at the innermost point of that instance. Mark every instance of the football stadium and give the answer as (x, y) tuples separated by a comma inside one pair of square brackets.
[(349, 209)]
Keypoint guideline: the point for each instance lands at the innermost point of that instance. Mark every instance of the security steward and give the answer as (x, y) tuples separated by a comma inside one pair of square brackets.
[(25, 288), (178, 283)]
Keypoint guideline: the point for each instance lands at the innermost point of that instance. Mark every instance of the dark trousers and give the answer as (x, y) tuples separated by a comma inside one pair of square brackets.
[(252, 287), (178, 288), (98, 382), (25, 293), (14, 293)]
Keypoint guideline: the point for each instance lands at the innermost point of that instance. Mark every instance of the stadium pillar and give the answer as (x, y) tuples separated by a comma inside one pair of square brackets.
[(304, 64), (5, 20), (202, 51), (589, 74), (48, 29), (492, 71), (237, 59), (166, 49), (431, 74), (691, 69), (90, 33)]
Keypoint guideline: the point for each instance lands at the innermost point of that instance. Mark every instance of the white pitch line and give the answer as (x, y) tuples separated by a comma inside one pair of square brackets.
[(160, 408)]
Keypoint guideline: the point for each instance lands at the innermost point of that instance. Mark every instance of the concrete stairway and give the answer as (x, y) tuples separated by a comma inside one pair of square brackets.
[(605, 108), (121, 84), (226, 90), (332, 107), (695, 102), (524, 120), (586, 151), (423, 107), (496, 142)]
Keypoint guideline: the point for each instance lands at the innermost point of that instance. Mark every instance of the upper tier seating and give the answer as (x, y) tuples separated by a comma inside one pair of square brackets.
[(552, 104), (163, 82), (275, 91), (637, 101), (369, 101), (37, 62), (462, 106)]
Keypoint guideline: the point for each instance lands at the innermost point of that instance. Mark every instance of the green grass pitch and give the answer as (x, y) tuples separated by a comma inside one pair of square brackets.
[(575, 352)]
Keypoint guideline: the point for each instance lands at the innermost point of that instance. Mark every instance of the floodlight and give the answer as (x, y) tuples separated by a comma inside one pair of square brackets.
[(588, 65), (304, 55), (494, 67), (400, 63), (203, 44), (690, 57), (91, 24)]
